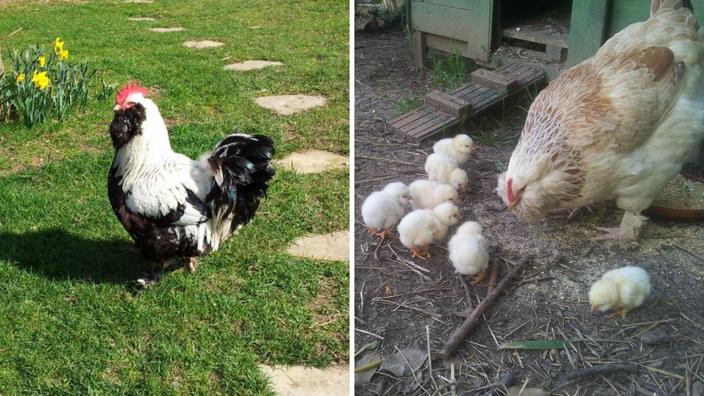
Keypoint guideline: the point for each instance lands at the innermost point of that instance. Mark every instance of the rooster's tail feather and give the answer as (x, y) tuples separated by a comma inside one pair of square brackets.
[(242, 167)]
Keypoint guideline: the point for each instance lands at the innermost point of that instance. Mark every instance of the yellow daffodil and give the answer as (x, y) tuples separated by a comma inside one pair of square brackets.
[(41, 80), (58, 45), (20, 77), (63, 54), (42, 61)]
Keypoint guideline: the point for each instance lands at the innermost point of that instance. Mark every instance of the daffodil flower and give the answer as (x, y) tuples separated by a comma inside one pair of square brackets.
[(20, 77), (40, 80), (63, 54), (58, 45), (42, 61)]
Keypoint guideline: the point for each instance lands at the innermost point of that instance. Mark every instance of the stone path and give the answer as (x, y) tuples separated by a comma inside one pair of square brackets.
[(251, 65), (203, 44), (313, 161), (290, 104), (167, 30), (331, 247), (303, 381), (141, 19)]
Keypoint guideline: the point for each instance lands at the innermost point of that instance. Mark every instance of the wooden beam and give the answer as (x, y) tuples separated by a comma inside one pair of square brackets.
[(587, 29), (421, 48), (500, 82), (445, 103)]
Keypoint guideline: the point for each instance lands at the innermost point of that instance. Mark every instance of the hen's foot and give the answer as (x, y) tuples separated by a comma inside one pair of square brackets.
[(478, 278), (628, 231), (191, 264), (149, 280)]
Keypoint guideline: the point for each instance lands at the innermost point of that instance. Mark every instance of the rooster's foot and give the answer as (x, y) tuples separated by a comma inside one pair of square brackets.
[(191, 264), (149, 280)]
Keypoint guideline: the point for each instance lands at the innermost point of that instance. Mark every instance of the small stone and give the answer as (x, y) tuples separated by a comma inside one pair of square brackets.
[(203, 44), (167, 30), (656, 336), (312, 161), (290, 104), (507, 379), (332, 247), (305, 381), (141, 19), (251, 65)]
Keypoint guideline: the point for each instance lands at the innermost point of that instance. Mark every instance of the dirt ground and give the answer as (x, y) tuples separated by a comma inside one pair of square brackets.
[(395, 301)]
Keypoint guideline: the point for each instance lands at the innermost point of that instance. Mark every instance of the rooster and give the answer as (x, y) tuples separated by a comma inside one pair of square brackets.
[(173, 206), (617, 126)]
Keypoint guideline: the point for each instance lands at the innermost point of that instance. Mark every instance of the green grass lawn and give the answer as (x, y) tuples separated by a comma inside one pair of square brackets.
[(70, 320)]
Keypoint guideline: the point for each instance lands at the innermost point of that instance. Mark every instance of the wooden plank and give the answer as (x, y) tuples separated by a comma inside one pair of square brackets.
[(420, 121), (536, 36), (410, 117), (430, 124), (481, 91), (444, 127), (553, 53), (587, 29), (445, 103), (501, 82), (421, 48), (442, 21)]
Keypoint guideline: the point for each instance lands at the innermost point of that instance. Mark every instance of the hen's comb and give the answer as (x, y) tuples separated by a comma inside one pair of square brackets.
[(129, 89), (509, 190)]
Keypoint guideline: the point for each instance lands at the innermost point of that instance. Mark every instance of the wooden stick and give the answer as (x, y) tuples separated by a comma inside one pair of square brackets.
[(463, 331), (495, 268)]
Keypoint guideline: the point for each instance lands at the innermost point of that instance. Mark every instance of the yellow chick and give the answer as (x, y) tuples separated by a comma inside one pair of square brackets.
[(620, 289)]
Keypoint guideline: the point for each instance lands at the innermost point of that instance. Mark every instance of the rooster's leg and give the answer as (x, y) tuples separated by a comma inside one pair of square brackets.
[(628, 231), (153, 277), (191, 264)]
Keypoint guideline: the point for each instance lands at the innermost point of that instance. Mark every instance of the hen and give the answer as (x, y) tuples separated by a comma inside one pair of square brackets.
[(617, 126), (173, 206)]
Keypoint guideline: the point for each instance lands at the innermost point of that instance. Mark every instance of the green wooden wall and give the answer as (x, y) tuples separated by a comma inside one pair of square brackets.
[(594, 21)]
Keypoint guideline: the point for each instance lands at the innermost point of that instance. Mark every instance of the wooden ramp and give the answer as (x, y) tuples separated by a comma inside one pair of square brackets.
[(443, 112)]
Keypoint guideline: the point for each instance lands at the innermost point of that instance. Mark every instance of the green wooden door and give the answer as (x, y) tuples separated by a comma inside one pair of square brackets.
[(467, 21)]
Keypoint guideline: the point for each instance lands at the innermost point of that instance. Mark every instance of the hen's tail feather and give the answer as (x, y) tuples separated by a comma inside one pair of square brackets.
[(242, 167)]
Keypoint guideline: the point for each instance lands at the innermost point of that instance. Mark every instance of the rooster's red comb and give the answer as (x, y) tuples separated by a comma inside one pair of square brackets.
[(129, 89)]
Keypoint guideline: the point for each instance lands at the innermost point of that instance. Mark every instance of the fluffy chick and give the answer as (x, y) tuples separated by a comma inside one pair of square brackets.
[(459, 180), (458, 148), (439, 167), (620, 289), (383, 209), (426, 194), (469, 251), (418, 229)]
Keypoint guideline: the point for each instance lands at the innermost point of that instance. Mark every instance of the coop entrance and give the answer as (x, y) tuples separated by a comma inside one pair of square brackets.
[(536, 29)]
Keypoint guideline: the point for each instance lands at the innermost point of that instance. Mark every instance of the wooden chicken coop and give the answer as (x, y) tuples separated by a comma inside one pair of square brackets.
[(553, 33)]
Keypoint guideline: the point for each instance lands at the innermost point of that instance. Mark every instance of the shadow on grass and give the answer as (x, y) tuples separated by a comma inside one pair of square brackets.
[(57, 254)]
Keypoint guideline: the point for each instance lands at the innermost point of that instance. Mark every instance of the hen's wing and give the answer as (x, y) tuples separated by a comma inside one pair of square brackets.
[(614, 101), (170, 194)]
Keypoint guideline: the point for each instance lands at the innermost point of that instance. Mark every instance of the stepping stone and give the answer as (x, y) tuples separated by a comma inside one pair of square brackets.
[(167, 30), (139, 1), (251, 65), (141, 19), (313, 161), (203, 44), (290, 104), (304, 381), (331, 247)]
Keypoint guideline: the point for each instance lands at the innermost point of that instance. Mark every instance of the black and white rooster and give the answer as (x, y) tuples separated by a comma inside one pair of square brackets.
[(171, 205)]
